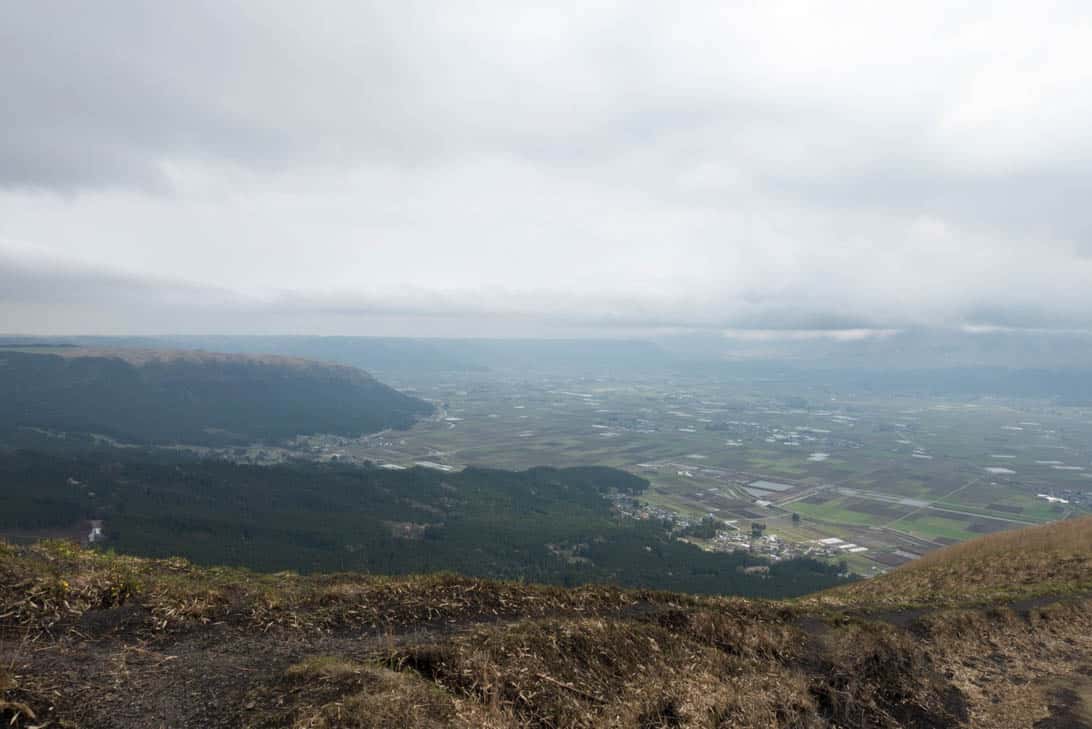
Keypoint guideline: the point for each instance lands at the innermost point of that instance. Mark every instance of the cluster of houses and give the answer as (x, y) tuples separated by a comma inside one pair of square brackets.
[(629, 507)]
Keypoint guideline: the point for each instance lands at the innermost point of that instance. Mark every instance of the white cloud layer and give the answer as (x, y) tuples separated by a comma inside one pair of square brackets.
[(495, 167)]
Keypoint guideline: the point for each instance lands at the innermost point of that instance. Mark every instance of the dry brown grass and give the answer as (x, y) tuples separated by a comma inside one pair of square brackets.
[(872, 674), (614, 673), (15, 713), (562, 673), (12, 712), (1009, 663), (48, 587), (323, 668), (440, 650), (1071, 536), (702, 670), (39, 597), (1052, 559), (326, 692)]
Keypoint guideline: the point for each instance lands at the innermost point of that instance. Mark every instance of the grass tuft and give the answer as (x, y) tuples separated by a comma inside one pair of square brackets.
[(324, 692)]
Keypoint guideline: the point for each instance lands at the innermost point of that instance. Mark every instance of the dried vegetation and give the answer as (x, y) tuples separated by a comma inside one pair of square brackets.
[(245, 650), (1052, 559)]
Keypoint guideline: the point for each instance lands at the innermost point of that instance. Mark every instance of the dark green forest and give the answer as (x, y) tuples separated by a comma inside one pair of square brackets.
[(541, 525), (198, 398)]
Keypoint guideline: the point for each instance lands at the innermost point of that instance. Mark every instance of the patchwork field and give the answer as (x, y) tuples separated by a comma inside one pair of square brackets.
[(898, 476)]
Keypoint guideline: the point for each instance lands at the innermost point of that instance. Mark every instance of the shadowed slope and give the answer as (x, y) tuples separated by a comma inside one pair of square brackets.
[(202, 398)]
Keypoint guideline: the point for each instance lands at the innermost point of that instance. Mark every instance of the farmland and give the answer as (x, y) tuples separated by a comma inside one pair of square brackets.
[(894, 474)]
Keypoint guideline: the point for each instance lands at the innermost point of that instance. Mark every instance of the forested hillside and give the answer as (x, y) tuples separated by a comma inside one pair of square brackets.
[(542, 525), (144, 396)]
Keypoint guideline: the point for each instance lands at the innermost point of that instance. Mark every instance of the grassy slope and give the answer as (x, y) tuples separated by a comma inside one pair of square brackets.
[(1052, 559), (118, 641)]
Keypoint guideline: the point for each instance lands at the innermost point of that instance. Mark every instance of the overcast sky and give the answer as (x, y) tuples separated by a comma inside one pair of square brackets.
[(469, 168)]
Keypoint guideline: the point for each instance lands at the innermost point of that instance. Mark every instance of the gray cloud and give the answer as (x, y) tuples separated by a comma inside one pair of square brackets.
[(575, 167), (55, 298)]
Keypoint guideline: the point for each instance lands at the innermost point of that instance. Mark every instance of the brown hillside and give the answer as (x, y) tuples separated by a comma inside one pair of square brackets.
[(1052, 559), (93, 640)]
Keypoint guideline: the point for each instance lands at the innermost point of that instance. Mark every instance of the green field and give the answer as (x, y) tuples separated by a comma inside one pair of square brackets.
[(833, 511)]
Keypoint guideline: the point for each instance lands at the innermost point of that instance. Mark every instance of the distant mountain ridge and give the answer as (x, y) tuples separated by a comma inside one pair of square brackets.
[(195, 397), (906, 349), (409, 355), (1026, 364)]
